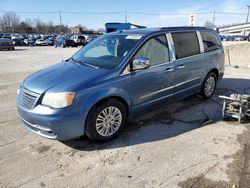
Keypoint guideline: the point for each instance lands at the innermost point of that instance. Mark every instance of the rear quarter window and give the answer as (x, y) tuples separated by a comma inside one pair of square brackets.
[(210, 41), (186, 44)]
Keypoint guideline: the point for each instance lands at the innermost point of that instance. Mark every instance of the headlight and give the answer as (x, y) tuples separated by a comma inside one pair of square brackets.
[(58, 100)]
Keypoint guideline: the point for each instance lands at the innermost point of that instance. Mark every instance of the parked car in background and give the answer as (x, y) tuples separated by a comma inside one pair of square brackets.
[(29, 42), (238, 38), (6, 36), (79, 39), (49, 42), (6, 44), (40, 42), (65, 42), (119, 76), (233, 37), (18, 42)]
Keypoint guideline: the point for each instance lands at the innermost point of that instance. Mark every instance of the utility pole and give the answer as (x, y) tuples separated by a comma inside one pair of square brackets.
[(126, 17), (214, 19), (60, 18), (248, 6)]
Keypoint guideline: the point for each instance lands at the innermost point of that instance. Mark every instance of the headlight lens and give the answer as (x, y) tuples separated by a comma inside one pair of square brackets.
[(58, 100)]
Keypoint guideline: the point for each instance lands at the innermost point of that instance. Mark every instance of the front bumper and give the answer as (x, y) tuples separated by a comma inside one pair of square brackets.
[(52, 124)]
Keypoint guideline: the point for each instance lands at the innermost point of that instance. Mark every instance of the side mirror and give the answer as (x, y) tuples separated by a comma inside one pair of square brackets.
[(141, 63)]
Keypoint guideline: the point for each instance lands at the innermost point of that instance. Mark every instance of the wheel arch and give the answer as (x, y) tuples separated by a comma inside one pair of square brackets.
[(214, 70), (97, 97), (119, 98)]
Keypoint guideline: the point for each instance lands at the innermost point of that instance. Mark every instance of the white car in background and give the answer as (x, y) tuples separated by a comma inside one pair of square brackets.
[(79, 39), (40, 42)]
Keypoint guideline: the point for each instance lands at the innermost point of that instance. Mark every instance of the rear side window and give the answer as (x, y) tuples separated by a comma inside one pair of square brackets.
[(210, 41), (186, 44)]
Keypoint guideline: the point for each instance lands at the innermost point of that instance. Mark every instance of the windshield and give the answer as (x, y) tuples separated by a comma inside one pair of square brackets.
[(107, 51)]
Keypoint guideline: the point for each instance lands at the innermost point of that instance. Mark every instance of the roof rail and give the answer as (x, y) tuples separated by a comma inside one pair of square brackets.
[(183, 27)]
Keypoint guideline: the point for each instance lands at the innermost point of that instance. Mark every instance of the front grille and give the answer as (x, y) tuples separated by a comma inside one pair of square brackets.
[(27, 99)]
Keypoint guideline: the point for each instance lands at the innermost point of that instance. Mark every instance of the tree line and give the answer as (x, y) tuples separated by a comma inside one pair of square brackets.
[(10, 22)]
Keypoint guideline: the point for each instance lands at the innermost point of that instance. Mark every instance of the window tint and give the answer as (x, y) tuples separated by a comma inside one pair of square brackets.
[(186, 44), (210, 41), (156, 49)]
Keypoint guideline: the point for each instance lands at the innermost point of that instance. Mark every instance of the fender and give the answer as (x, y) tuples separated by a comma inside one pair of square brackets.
[(94, 96)]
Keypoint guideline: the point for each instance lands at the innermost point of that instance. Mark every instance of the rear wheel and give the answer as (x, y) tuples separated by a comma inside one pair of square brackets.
[(105, 120), (209, 85)]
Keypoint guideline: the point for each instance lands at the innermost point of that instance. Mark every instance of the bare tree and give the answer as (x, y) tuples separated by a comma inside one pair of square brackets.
[(100, 30), (50, 27), (1, 25), (84, 28), (30, 22), (39, 25), (210, 25), (9, 22), (24, 28)]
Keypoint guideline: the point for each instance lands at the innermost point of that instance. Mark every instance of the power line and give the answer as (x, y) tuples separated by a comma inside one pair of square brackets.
[(235, 13), (170, 14), (97, 13), (122, 12), (24, 12), (155, 13)]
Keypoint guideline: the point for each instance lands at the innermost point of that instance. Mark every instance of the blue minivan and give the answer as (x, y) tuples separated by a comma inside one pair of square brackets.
[(118, 76)]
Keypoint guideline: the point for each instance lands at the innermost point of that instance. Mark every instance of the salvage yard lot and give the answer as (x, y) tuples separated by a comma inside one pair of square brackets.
[(185, 144)]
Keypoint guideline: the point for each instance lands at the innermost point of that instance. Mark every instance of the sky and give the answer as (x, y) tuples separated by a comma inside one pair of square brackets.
[(168, 12)]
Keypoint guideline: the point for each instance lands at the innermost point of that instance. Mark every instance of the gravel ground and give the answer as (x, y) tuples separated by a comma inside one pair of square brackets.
[(185, 144)]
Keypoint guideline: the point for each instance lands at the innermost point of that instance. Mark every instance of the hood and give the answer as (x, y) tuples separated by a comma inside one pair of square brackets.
[(62, 76)]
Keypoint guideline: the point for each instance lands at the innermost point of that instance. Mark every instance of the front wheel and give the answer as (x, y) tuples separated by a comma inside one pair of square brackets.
[(209, 85), (105, 120)]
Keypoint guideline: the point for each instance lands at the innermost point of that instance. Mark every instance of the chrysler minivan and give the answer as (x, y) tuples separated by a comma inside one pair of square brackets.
[(118, 76)]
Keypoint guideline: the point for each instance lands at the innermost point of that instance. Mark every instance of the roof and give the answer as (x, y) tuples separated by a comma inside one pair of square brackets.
[(146, 31)]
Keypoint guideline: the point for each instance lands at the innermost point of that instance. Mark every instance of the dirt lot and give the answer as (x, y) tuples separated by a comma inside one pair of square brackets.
[(185, 144)]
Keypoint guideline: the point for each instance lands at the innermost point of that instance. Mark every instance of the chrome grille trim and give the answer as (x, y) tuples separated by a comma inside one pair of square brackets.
[(27, 99)]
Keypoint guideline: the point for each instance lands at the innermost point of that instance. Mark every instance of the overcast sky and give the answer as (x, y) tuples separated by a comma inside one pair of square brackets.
[(162, 7)]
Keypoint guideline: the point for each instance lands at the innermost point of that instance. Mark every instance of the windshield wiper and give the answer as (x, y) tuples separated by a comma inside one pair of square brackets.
[(84, 63), (76, 61)]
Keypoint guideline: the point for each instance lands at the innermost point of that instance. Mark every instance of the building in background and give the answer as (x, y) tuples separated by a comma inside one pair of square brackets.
[(76, 30), (235, 29)]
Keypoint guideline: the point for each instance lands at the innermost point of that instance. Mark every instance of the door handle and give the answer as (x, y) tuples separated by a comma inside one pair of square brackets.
[(169, 70), (181, 66)]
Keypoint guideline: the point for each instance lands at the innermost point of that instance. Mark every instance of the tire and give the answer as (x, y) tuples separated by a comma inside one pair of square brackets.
[(209, 85), (13, 48), (97, 116)]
